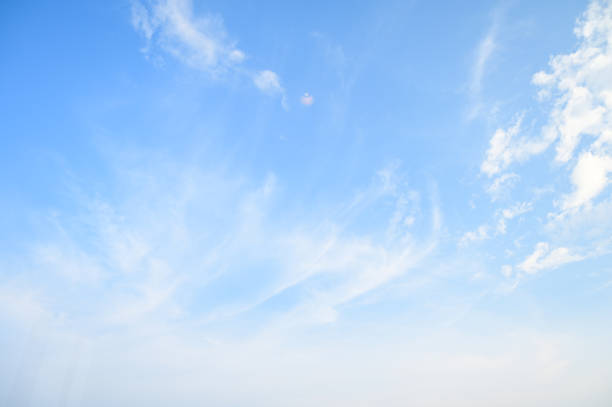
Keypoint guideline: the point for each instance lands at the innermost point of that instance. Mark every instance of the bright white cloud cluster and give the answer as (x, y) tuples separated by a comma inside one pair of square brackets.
[(578, 124), (581, 84), (580, 88), (589, 177)]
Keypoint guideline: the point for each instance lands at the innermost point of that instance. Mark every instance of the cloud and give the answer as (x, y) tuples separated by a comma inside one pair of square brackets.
[(484, 51), (510, 213), (200, 42), (589, 177), (218, 237), (505, 148), (482, 233), (269, 83), (581, 83), (482, 55), (500, 154), (579, 88), (502, 185), (544, 258), (502, 215), (516, 210)]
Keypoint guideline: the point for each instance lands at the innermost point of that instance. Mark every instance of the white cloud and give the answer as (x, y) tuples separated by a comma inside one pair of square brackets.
[(141, 20), (588, 226), (516, 210), (482, 56), (479, 234), (581, 83), (502, 185), (544, 258), (485, 49), (510, 213), (269, 83), (589, 177), (579, 86), (210, 228), (505, 148), (198, 41)]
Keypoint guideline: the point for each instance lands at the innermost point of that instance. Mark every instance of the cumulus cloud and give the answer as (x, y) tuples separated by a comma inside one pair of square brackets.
[(579, 87), (589, 177), (581, 83)]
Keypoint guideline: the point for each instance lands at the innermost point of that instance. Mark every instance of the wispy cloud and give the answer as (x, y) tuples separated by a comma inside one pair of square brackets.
[(269, 82), (483, 53), (543, 257), (501, 185), (209, 229), (507, 147), (481, 233), (199, 41), (512, 212)]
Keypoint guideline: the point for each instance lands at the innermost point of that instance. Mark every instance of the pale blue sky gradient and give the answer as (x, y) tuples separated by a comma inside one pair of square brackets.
[(232, 203)]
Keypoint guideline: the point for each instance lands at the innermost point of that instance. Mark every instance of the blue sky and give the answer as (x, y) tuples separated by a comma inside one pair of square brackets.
[(265, 203)]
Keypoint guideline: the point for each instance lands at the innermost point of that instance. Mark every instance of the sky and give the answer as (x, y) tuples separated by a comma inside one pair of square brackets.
[(265, 203)]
